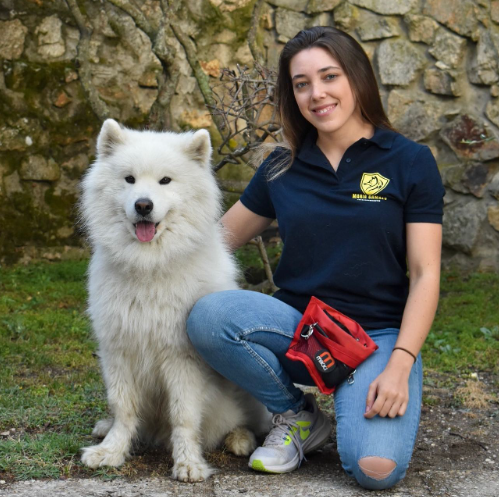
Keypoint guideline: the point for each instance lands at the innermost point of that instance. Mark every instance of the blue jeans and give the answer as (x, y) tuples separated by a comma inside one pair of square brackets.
[(244, 336)]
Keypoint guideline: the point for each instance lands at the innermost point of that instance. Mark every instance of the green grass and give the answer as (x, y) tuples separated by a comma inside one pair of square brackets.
[(465, 334), (51, 391)]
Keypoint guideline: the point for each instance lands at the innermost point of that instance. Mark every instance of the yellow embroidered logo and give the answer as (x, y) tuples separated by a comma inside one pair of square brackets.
[(373, 183)]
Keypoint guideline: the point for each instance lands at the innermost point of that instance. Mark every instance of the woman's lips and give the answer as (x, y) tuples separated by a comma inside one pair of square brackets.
[(323, 111)]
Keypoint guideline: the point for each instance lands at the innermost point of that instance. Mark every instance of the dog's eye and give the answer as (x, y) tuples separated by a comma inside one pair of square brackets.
[(165, 180), (130, 179)]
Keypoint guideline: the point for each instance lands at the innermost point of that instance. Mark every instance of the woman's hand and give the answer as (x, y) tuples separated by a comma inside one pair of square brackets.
[(388, 394)]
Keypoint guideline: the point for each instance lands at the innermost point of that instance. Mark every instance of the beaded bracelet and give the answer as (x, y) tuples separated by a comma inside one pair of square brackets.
[(405, 350)]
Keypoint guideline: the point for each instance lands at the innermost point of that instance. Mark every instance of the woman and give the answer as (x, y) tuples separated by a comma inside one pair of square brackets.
[(357, 205)]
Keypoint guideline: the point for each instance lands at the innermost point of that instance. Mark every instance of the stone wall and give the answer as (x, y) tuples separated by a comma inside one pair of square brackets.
[(67, 64)]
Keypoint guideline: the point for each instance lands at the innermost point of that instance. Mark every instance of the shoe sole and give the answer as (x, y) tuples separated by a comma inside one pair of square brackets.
[(316, 440)]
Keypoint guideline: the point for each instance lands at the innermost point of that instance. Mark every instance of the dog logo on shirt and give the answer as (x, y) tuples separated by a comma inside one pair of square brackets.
[(373, 183)]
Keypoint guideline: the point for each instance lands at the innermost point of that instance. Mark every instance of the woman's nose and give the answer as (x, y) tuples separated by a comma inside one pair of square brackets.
[(317, 92)]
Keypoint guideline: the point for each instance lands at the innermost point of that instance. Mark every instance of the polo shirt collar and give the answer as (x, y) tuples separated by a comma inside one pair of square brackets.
[(383, 138), (309, 151)]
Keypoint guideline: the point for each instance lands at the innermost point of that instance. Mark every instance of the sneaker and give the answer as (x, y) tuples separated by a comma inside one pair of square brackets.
[(293, 436)]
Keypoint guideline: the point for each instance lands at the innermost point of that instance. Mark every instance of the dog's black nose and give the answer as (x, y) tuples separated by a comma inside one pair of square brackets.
[(143, 206)]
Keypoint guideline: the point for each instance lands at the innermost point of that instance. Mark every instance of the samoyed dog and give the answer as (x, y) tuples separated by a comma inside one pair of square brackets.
[(150, 205)]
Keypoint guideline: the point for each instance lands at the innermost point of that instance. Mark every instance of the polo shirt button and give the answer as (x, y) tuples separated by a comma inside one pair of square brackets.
[(348, 160)]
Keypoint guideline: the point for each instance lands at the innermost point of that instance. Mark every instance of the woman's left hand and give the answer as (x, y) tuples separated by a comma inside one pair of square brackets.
[(388, 394)]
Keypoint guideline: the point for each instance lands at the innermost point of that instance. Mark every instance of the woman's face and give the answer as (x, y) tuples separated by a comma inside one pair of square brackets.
[(323, 93)]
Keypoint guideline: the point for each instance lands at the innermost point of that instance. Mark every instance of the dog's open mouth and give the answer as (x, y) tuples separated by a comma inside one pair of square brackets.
[(145, 230)]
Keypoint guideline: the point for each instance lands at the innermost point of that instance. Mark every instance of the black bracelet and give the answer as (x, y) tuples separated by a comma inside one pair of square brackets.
[(405, 350)]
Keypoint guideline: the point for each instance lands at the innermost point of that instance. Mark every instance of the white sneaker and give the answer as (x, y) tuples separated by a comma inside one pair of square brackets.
[(292, 436)]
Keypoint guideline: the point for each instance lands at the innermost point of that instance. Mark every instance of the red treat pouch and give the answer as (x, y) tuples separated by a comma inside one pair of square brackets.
[(330, 344)]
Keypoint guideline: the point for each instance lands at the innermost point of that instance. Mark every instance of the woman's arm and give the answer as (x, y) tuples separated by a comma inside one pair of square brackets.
[(241, 225), (389, 393)]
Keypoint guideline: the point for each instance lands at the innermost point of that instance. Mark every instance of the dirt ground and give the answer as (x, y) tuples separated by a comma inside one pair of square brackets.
[(456, 454)]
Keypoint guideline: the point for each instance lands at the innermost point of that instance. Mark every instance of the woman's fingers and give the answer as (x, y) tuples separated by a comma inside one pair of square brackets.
[(371, 398)]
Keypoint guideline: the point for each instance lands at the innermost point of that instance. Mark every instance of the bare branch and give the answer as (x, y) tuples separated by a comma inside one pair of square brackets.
[(136, 14), (265, 259), (255, 21), (244, 104), (99, 107)]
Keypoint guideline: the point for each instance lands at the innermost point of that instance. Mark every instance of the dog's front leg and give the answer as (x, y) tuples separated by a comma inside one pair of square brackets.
[(186, 401), (122, 394)]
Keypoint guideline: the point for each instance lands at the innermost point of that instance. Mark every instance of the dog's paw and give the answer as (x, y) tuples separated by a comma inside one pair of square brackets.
[(102, 428), (190, 471), (241, 442), (98, 455)]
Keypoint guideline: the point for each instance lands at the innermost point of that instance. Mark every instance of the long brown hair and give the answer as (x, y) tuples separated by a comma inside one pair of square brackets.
[(357, 67)]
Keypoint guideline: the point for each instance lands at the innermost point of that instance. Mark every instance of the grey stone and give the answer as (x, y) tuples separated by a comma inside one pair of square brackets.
[(12, 38), (442, 82), (492, 111), (421, 28), (399, 62), (448, 48), (387, 7), (470, 138), (12, 184), (493, 187), (50, 41), (226, 36), (295, 5), (476, 178), (12, 139), (493, 216), (316, 6), (288, 23), (37, 168), (417, 119), (374, 27), (494, 11), (462, 222), (460, 16), (322, 19), (75, 166), (346, 16), (452, 177), (484, 65)]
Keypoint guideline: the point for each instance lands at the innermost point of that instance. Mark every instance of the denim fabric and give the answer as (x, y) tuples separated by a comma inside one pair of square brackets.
[(244, 336)]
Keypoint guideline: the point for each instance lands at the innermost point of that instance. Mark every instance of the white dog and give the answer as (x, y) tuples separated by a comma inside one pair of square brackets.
[(150, 204)]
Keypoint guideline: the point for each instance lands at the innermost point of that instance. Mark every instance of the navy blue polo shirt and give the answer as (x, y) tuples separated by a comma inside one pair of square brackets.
[(344, 231)]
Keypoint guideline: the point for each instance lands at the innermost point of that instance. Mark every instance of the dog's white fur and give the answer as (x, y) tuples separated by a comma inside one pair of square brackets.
[(140, 294)]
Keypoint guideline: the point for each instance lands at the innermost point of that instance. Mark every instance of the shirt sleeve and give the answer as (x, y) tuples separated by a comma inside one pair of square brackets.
[(425, 193), (257, 195)]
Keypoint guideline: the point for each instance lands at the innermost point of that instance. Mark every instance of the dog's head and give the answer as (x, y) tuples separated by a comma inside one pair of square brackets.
[(149, 189)]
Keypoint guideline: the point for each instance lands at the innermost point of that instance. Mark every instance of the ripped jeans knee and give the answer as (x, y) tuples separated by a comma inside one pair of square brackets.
[(378, 473), (378, 468)]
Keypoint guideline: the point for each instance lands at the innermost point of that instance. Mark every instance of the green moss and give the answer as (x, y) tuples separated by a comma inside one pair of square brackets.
[(215, 21), (34, 76), (22, 223), (62, 204)]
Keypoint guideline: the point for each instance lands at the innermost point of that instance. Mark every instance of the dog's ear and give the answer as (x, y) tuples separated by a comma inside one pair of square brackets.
[(199, 148), (110, 135)]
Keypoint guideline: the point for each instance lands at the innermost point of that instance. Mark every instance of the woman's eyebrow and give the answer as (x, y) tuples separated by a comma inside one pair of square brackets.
[(324, 69)]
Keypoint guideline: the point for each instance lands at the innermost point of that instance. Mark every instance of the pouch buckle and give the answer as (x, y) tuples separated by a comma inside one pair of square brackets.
[(308, 332), (351, 379)]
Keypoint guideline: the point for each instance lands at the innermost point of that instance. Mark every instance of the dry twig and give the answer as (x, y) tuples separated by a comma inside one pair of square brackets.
[(265, 259), (245, 108)]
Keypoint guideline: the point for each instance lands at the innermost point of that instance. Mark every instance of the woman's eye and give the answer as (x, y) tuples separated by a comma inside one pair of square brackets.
[(165, 180), (301, 85), (330, 77), (130, 179)]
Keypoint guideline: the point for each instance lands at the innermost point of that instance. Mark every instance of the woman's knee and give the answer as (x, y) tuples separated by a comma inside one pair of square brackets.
[(373, 472), (203, 319)]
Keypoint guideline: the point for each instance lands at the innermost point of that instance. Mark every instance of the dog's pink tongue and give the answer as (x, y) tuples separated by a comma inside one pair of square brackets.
[(145, 231)]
